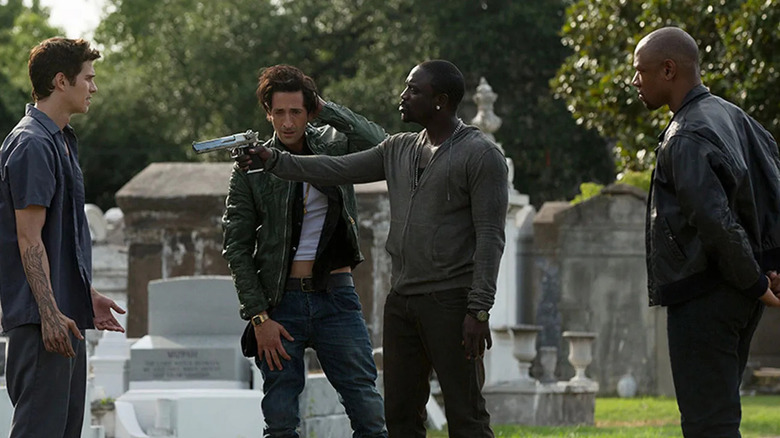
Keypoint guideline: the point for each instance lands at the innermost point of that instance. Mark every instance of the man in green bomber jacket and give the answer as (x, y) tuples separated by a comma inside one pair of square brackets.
[(291, 248), (448, 200)]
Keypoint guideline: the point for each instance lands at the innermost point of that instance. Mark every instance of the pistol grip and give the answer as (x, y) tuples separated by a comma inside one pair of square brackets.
[(255, 163)]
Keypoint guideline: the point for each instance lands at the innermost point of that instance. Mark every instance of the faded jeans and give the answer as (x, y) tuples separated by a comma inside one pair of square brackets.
[(331, 323)]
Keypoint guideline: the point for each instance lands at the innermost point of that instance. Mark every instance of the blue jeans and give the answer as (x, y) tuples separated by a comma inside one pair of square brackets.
[(709, 342), (331, 323)]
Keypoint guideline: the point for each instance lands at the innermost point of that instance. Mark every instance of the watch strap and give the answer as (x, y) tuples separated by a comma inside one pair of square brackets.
[(259, 318), (479, 315)]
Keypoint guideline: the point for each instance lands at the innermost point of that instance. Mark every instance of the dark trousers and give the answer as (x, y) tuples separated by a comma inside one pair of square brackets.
[(47, 390), (424, 333), (709, 341)]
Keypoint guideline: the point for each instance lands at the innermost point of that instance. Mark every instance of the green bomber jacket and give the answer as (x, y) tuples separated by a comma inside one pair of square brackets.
[(257, 223)]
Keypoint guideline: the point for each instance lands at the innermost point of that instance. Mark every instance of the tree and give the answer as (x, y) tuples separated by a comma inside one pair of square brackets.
[(516, 47), (552, 154), (737, 39), (21, 28), (182, 70)]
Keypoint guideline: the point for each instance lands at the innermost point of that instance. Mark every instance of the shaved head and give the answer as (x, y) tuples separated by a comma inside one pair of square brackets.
[(667, 68), (675, 44)]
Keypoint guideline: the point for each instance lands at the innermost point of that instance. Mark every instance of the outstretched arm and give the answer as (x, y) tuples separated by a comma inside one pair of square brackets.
[(359, 167)]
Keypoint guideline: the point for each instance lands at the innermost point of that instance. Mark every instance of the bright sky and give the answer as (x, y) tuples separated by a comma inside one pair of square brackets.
[(78, 18)]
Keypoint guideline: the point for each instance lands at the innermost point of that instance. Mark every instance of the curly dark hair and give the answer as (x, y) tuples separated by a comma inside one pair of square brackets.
[(53, 56), (286, 78)]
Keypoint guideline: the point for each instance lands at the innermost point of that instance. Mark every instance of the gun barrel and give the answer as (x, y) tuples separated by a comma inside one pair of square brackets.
[(226, 142)]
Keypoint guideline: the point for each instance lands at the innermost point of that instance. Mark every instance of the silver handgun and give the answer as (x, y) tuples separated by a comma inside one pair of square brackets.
[(237, 144)]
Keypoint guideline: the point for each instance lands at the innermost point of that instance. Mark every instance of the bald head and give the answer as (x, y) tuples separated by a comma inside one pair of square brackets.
[(675, 44), (667, 68)]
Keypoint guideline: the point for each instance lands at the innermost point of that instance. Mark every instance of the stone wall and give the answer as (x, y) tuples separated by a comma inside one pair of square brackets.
[(591, 276)]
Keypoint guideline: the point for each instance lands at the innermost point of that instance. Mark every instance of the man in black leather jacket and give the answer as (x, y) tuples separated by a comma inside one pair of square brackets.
[(713, 231)]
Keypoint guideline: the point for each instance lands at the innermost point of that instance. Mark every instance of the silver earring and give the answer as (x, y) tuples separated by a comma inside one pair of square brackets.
[(438, 108)]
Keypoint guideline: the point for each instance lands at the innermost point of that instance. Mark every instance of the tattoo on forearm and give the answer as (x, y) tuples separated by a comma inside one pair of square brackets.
[(38, 278)]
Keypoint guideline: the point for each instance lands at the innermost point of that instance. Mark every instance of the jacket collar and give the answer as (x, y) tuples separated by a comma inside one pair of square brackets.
[(45, 120), (695, 93)]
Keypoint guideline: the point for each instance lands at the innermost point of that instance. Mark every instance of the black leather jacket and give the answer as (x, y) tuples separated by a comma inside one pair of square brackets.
[(713, 213)]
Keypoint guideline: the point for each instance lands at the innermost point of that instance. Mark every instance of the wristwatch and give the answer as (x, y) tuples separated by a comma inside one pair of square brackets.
[(259, 318), (480, 315)]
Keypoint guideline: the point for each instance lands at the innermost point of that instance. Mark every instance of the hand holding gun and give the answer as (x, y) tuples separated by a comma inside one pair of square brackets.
[(240, 145), (253, 155)]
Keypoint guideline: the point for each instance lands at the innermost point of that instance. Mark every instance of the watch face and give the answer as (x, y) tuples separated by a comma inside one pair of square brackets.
[(482, 316)]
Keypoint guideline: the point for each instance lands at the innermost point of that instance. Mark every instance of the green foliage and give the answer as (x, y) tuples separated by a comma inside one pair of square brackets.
[(175, 71), (106, 403), (201, 59), (637, 178), (517, 48), (587, 191), (21, 28), (399, 38), (737, 39)]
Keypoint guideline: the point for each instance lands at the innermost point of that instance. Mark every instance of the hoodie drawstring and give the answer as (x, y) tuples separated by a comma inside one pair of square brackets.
[(449, 165), (451, 140)]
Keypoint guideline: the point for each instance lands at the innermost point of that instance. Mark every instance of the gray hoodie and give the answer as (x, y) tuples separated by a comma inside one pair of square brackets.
[(447, 227)]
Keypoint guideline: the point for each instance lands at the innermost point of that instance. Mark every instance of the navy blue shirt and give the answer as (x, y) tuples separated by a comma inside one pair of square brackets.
[(39, 166)]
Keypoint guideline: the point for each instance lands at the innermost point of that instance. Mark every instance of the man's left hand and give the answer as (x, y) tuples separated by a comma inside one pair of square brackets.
[(476, 336), (104, 319)]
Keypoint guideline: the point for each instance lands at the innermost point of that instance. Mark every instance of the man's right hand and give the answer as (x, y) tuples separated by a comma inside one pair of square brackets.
[(770, 297), (774, 281), (56, 337), (269, 343), (255, 152)]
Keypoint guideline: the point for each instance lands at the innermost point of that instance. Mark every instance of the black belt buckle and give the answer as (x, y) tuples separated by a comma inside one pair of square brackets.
[(307, 284)]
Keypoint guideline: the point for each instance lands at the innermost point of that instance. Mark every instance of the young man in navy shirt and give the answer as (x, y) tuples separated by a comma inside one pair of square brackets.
[(46, 265)]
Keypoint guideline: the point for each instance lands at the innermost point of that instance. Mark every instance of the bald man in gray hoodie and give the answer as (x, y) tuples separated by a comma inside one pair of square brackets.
[(448, 200)]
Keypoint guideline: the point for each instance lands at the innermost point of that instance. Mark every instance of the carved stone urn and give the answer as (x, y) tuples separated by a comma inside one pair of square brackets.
[(580, 355), (524, 351)]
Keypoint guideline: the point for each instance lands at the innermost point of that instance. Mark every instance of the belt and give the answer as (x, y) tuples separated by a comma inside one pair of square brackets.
[(306, 284)]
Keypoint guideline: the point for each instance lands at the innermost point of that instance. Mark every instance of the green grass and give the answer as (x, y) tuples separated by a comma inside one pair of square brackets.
[(647, 418)]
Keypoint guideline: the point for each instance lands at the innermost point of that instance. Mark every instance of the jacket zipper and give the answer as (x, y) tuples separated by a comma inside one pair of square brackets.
[(415, 185), (287, 236)]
